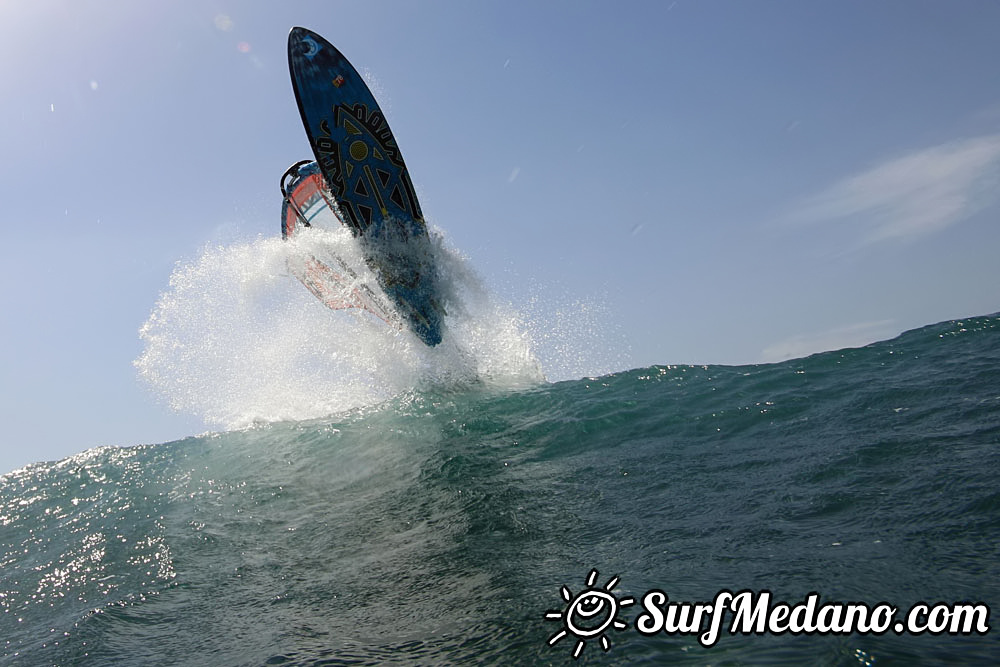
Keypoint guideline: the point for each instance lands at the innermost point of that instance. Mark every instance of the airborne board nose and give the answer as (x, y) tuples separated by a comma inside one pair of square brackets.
[(364, 174)]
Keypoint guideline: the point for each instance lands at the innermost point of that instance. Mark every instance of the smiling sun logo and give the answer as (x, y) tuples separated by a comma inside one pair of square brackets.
[(589, 614)]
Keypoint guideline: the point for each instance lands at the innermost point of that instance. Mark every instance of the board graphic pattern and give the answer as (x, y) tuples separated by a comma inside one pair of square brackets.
[(366, 177), (354, 146)]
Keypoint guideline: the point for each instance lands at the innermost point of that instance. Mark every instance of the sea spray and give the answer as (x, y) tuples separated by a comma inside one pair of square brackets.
[(237, 340), (573, 336)]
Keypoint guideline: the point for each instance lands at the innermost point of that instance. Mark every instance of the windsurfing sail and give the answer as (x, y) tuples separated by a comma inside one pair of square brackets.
[(307, 203)]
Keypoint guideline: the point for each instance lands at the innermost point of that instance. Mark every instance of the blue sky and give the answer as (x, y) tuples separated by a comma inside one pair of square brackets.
[(727, 182)]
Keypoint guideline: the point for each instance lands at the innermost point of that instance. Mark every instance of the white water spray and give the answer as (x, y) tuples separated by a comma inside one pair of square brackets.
[(237, 340)]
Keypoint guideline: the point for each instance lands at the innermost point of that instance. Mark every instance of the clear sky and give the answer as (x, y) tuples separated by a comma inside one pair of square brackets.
[(731, 182)]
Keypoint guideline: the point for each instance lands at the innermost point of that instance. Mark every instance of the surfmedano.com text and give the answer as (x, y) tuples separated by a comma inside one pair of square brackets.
[(754, 613)]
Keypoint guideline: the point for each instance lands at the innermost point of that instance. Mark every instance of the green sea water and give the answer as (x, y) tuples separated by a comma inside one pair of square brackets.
[(440, 526)]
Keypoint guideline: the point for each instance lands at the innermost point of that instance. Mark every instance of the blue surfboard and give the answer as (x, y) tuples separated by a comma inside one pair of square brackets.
[(365, 181)]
